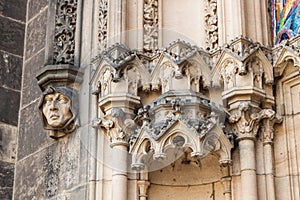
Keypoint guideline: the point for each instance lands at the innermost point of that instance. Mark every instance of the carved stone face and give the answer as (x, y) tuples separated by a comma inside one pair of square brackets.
[(57, 109)]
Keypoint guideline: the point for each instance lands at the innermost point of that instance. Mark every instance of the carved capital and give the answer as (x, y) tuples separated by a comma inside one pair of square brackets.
[(247, 120), (117, 127), (268, 127)]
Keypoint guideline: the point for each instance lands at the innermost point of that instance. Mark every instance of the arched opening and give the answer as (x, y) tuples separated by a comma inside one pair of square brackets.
[(187, 177)]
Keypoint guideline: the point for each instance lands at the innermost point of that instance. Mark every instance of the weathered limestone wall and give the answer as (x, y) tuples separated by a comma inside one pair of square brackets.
[(45, 168), (80, 165), (287, 136), (12, 29), (181, 180)]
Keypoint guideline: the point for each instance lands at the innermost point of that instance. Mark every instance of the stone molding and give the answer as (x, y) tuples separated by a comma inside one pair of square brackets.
[(288, 50), (64, 35), (59, 75)]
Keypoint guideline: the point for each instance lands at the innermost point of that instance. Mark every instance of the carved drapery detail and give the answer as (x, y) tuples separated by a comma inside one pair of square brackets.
[(150, 26), (64, 36), (247, 121), (211, 24), (102, 24)]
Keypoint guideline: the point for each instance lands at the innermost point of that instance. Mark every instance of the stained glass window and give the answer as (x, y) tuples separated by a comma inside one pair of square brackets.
[(285, 19)]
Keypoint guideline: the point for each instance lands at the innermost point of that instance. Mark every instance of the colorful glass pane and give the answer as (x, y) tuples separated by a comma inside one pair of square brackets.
[(285, 19)]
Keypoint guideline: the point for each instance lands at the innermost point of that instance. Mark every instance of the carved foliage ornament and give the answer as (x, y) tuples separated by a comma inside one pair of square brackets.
[(58, 110), (150, 25), (102, 24), (247, 122), (211, 21), (118, 127), (64, 36)]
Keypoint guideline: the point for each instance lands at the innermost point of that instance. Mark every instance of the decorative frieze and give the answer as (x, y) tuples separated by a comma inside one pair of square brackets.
[(150, 26), (102, 24), (211, 24), (64, 35)]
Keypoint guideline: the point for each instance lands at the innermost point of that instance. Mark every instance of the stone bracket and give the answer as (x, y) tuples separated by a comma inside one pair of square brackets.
[(59, 75)]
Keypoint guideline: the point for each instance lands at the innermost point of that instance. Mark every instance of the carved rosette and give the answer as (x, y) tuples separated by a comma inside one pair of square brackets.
[(150, 25), (102, 24), (64, 36), (211, 24)]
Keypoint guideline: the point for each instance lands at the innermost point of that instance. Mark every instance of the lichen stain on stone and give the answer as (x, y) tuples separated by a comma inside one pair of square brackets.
[(52, 168)]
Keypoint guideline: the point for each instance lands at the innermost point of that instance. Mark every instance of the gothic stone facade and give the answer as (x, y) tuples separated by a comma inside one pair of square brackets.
[(151, 99)]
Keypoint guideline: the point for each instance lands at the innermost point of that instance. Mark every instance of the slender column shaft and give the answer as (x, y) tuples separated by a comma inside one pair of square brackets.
[(248, 169), (227, 188), (226, 180), (268, 162), (119, 176)]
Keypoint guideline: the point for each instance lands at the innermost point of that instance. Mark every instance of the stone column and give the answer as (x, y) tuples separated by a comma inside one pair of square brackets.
[(119, 174), (248, 168), (246, 121), (226, 180), (116, 21), (143, 185), (268, 135), (118, 127)]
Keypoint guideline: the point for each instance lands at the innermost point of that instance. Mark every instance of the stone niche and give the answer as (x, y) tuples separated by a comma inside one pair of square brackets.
[(159, 107), (187, 178)]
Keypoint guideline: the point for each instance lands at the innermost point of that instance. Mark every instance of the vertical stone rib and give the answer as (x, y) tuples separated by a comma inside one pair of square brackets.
[(268, 136)]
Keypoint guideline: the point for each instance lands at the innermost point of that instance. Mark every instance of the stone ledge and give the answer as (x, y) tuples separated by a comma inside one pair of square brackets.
[(59, 75)]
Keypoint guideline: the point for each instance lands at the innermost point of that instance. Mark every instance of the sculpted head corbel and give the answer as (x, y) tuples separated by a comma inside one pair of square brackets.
[(58, 110)]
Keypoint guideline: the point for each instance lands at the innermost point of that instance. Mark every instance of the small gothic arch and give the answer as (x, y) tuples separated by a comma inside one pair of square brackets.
[(286, 54)]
